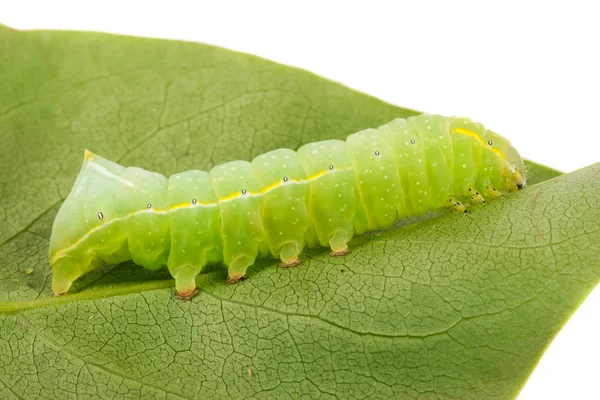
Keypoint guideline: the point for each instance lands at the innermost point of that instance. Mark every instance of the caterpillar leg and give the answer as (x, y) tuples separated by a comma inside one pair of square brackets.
[(61, 281), (457, 205), (185, 282), (237, 269), (492, 192), (289, 255), (339, 244), (65, 271), (477, 198)]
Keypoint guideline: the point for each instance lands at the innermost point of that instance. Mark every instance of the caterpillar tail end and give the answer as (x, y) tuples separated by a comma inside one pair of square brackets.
[(60, 287), (64, 272)]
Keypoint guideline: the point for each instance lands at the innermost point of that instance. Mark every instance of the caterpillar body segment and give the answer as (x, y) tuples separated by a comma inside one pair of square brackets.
[(334, 202), (286, 236), (195, 229), (278, 204)]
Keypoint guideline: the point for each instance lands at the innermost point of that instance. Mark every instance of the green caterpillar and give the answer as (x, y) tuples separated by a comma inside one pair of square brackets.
[(282, 201)]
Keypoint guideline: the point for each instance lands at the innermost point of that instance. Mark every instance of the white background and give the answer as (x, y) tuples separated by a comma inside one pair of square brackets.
[(528, 70)]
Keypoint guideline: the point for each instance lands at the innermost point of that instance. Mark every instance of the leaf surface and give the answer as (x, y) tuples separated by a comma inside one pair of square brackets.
[(456, 307)]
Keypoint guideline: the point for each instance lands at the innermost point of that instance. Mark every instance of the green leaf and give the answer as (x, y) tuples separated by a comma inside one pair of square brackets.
[(537, 173), (455, 307)]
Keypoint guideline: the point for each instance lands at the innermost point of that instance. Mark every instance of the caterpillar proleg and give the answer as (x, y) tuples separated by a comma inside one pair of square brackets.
[(278, 204)]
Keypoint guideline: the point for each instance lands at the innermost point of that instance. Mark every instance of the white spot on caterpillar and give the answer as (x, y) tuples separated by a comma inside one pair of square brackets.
[(331, 167), (244, 191), (285, 178), (490, 142), (149, 206), (377, 153), (464, 165), (194, 201), (100, 216), (412, 141)]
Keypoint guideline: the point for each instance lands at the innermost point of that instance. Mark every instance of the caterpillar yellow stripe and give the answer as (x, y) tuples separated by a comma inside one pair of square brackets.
[(278, 204)]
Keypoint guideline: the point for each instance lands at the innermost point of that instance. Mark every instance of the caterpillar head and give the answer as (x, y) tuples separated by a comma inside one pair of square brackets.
[(515, 170)]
